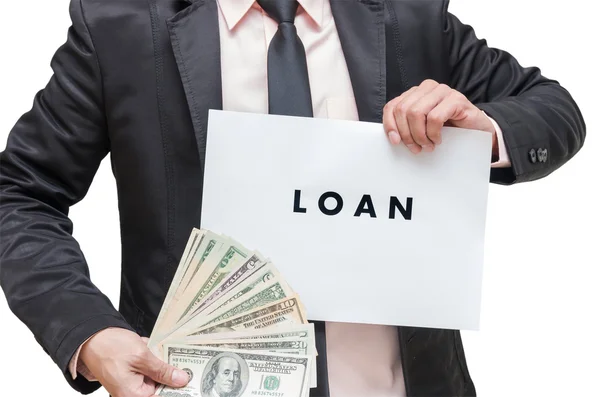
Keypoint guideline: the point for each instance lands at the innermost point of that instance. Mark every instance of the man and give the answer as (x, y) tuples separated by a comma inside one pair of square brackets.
[(223, 379), (137, 78)]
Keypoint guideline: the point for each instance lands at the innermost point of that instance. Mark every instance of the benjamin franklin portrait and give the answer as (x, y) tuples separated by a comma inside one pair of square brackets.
[(225, 375)]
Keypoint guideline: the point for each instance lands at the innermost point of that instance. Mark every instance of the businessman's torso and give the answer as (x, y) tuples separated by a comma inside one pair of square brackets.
[(160, 66)]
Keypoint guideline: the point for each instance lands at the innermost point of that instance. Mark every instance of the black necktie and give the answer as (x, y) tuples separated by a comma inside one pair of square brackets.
[(289, 91), (289, 94)]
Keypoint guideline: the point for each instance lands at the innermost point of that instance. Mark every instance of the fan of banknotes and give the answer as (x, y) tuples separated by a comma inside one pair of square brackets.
[(233, 324)]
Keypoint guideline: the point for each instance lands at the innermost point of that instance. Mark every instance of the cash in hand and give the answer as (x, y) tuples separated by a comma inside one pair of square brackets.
[(233, 324)]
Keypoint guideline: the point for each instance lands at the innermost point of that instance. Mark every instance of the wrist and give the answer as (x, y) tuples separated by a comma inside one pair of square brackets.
[(88, 348), (98, 344)]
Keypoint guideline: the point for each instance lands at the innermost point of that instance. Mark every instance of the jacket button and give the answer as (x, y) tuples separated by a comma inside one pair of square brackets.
[(533, 156), (540, 155), (545, 154)]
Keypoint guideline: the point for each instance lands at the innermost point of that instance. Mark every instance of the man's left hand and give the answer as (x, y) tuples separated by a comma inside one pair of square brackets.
[(416, 117)]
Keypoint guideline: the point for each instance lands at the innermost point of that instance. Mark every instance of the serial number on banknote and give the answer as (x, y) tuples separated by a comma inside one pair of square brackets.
[(187, 361)]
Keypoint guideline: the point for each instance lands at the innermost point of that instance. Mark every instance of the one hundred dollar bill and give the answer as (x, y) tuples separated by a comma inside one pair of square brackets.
[(237, 373)]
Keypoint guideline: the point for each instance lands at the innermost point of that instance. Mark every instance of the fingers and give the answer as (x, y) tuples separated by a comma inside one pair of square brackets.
[(145, 340), (414, 119), (404, 128), (448, 109), (425, 130), (389, 120), (411, 120), (148, 364)]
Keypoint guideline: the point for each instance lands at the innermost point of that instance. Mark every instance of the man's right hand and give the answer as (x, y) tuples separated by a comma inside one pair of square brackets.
[(124, 365)]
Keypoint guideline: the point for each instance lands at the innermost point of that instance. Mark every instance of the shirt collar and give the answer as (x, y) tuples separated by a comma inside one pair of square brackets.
[(314, 9), (234, 10)]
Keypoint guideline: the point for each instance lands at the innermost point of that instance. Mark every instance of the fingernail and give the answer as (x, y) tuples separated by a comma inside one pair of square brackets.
[(428, 148), (180, 377), (413, 148), (394, 137)]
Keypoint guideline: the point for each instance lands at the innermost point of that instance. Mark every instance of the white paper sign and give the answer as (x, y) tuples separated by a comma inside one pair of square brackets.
[(265, 176)]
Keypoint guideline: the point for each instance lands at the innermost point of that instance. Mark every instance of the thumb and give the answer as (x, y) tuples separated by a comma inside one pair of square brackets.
[(161, 372)]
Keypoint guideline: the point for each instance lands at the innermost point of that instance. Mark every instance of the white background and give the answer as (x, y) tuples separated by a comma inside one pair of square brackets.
[(540, 319)]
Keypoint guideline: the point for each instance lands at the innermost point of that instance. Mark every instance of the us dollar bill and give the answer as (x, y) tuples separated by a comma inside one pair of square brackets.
[(256, 291), (237, 373), (282, 345), (235, 278), (302, 332), (284, 312), (254, 268), (299, 331), (205, 245), (256, 282), (243, 297), (212, 273), (272, 292), (210, 242)]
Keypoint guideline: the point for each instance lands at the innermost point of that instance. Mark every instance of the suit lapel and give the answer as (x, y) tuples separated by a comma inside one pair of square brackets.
[(194, 34), (361, 28)]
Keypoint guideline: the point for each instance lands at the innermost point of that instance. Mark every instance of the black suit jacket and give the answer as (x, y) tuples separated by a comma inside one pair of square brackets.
[(136, 79)]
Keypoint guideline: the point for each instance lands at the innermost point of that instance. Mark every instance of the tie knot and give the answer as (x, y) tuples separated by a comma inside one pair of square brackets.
[(280, 10)]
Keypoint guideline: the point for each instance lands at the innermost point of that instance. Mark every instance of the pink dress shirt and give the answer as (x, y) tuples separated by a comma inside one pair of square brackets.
[(362, 359)]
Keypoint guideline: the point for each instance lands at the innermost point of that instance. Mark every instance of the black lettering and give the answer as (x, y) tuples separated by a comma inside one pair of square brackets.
[(406, 212), (297, 207), (365, 207), (338, 207)]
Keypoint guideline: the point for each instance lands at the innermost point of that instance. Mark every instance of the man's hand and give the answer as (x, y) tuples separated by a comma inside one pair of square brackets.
[(124, 365), (416, 117)]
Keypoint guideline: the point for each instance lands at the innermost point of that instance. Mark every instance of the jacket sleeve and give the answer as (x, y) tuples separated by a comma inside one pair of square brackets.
[(542, 126), (51, 157)]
